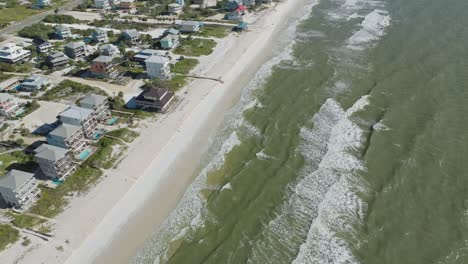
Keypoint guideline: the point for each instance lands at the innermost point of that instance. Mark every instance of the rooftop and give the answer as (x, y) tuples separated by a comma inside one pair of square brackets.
[(157, 59), (103, 58), (65, 130), (14, 179), (49, 152), (76, 112), (74, 44), (61, 28), (93, 99), (131, 33)]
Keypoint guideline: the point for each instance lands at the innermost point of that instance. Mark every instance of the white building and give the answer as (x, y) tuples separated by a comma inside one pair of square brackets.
[(9, 106), (19, 189), (158, 67), (11, 53), (34, 83), (102, 4)]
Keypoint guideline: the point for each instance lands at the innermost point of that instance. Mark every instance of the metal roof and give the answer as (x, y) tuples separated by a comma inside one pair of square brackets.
[(65, 130), (49, 152), (14, 179)]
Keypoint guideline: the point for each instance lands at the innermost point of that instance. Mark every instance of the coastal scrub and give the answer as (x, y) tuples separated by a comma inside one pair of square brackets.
[(8, 235), (195, 47)]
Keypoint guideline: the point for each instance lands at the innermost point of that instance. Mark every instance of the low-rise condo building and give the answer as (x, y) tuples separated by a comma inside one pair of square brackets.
[(19, 189), (82, 117), (158, 67), (57, 59), (11, 53), (104, 67), (154, 99), (109, 50), (75, 49), (55, 162), (100, 36), (34, 83), (9, 106), (190, 26), (97, 103), (62, 32), (69, 137)]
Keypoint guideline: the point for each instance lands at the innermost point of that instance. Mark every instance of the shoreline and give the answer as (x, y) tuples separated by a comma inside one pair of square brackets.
[(158, 167)]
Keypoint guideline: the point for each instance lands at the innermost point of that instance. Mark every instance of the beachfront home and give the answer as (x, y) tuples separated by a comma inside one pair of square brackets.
[(62, 32), (43, 3), (232, 5), (79, 116), (55, 162), (174, 8), (100, 36), (127, 5), (154, 99), (190, 26), (158, 67), (57, 59), (11, 53), (42, 45), (238, 14), (75, 49), (104, 67), (68, 137), (102, 4), (109, 50), (97, 103), (34, 83), (9, 106), (206, 3), (143, 55), (169, 41), (19, 189), (131, 36)]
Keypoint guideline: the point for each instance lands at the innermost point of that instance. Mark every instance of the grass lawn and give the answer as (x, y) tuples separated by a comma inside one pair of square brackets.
[(109, 151), (68, 89), (18, 159), (16, 13), (25, 221), (176, 83), (184, 66), (53, 201), (195, 47), (8, 235), (214, 31), (4, 77), (126, 134)]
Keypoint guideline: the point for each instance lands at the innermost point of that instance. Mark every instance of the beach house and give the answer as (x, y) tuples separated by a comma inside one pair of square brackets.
[(62, 32), (79, 116), (54, 162), (42, 45), (206, 3), (190, 26), (97, 103), (158, 67), (238, 14), (109, 50), (75, 49), (170, 41), (131, 36), (174, 8), (43, 3), (102, 4), (34, 83), (143, 55), (154, 99), (19, 189), (104, 67), (171, 31), (69, 137), (57, 59), (9, 106), (11, 53), (180, 2), (248, 3), (127, 5), (100, 36)]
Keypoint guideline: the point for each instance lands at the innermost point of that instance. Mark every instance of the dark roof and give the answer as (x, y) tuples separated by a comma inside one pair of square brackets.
[(157, 93), (39, 41)]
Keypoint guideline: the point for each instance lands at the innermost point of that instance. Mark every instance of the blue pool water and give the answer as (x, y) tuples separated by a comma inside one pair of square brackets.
[(58, 182), (112, 121), (83, 155)]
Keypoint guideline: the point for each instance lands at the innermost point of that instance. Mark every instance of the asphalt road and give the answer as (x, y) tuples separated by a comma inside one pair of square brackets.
[(17, 26)]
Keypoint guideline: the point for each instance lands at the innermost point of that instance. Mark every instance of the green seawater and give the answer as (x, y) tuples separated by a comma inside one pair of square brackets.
[(353, 150)]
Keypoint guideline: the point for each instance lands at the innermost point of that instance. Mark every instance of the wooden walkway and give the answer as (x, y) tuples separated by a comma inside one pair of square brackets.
[(204, 78)]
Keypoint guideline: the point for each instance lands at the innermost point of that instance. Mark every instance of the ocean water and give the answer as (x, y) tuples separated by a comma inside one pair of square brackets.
[(349, 146)]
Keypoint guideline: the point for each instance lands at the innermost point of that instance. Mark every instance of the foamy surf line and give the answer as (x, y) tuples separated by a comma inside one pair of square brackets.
[(140, 192)]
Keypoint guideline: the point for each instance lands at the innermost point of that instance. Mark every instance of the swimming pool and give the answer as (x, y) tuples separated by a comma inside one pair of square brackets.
[(112, 121), (83, 155)]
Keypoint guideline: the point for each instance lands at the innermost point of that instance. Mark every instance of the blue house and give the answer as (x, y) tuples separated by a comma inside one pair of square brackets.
[(169, 41)]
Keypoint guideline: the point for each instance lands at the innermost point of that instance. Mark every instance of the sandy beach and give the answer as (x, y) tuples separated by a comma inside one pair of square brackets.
[(108, 224)]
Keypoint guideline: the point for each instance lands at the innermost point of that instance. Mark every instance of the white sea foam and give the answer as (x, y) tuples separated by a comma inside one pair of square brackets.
[(226, 186), (372, 28), (380, 126)]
